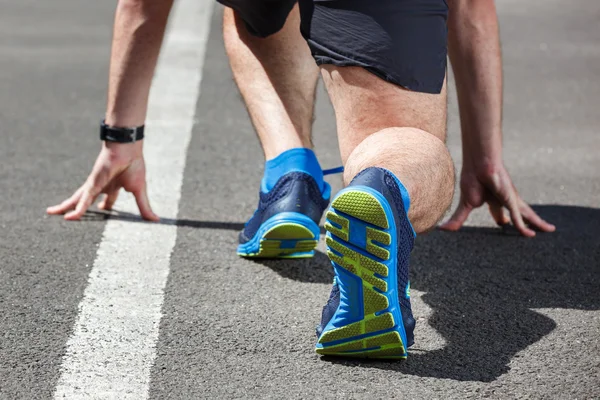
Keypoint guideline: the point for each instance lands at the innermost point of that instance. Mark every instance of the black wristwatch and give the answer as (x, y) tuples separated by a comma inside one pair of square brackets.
[(120, 135)]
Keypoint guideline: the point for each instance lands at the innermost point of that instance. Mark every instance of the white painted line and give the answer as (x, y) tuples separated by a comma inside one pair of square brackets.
[(112, 348)]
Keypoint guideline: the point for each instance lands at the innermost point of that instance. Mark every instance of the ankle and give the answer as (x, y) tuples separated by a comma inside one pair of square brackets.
[(294, 160)]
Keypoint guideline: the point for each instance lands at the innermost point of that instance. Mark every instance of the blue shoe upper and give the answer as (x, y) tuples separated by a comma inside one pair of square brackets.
[(330, 308), (293, 192), (385, 183)]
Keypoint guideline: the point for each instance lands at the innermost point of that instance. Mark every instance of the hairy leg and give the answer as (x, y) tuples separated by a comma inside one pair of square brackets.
[(384, 125), (277, 78)]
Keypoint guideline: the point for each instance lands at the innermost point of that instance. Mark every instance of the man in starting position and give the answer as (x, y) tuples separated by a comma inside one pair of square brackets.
[(384, 67)]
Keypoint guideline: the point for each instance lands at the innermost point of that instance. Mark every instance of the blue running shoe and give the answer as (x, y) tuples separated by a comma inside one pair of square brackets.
[(286, 222), (369, 240)]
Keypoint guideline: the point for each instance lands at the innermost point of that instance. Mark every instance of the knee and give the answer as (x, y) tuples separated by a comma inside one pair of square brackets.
[(392, 146), (422, 163)]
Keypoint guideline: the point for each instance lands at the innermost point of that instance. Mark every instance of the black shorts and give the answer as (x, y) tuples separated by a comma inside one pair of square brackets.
[(401, 41)]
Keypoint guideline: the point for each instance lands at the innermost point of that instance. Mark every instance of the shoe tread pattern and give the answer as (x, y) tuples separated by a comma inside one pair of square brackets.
[(376, 334), (286, 240)]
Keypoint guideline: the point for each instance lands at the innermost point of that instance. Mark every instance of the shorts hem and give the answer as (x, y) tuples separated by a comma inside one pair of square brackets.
[(431, 89)]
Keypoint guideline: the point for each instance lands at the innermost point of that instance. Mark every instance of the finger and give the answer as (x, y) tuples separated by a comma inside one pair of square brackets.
[(458, 218), (66, 205), (141, 198), (109, 200), (497, 212), (517, 218), (86, 200), (534, 220)]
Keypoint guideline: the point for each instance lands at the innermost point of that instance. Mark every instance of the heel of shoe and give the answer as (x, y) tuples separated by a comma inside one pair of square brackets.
[(286, 235)]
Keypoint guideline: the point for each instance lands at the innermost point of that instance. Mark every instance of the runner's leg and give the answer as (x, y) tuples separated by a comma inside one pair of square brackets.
[(277, 77), (384, 67), (383, 125)]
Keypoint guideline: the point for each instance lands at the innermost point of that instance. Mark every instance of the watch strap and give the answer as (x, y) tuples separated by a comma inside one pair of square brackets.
[(121, 135)]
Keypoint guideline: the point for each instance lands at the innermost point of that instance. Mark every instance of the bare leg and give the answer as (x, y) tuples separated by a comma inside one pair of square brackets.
[(277, 78), (383, 125)]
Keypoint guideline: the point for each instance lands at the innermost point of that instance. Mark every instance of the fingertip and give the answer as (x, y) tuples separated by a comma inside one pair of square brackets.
[(551, 228), (152, 218), (523, 229), (143, 203), (543, 226), (55, 210), (449, 226), (72, 216), (528, 233), (149, 215), (546, 228)]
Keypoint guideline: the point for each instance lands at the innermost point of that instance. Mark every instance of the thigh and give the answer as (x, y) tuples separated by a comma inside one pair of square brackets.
[(365, 104), (383, 62)]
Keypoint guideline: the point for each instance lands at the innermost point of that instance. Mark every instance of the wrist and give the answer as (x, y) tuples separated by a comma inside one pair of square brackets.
[(123, 147), (123, 153), (482, 162), (482, 148), (128, 118), (482, 166)]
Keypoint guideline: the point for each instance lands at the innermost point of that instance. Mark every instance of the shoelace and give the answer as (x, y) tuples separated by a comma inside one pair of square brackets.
[(331, 171)]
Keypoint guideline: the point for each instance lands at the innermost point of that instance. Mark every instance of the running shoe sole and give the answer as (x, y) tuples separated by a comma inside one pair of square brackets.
[(285, 235), (362, 245)]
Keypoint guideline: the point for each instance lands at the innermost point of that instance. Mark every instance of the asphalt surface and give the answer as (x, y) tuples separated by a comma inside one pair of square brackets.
[(499, 316)]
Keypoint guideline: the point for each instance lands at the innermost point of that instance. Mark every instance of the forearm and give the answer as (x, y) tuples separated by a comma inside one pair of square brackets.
[(474, 49), (137, 37)]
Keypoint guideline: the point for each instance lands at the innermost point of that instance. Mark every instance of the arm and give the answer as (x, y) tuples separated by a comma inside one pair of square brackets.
[(137, 37), (474, 49)]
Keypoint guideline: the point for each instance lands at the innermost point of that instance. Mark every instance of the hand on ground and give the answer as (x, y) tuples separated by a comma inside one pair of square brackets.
[(498, 191), (119, 165)]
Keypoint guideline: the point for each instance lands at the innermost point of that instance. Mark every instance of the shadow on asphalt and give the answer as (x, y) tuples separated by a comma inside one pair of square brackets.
[(483, 286), (316, 269), (101, 215), (93, 215)]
